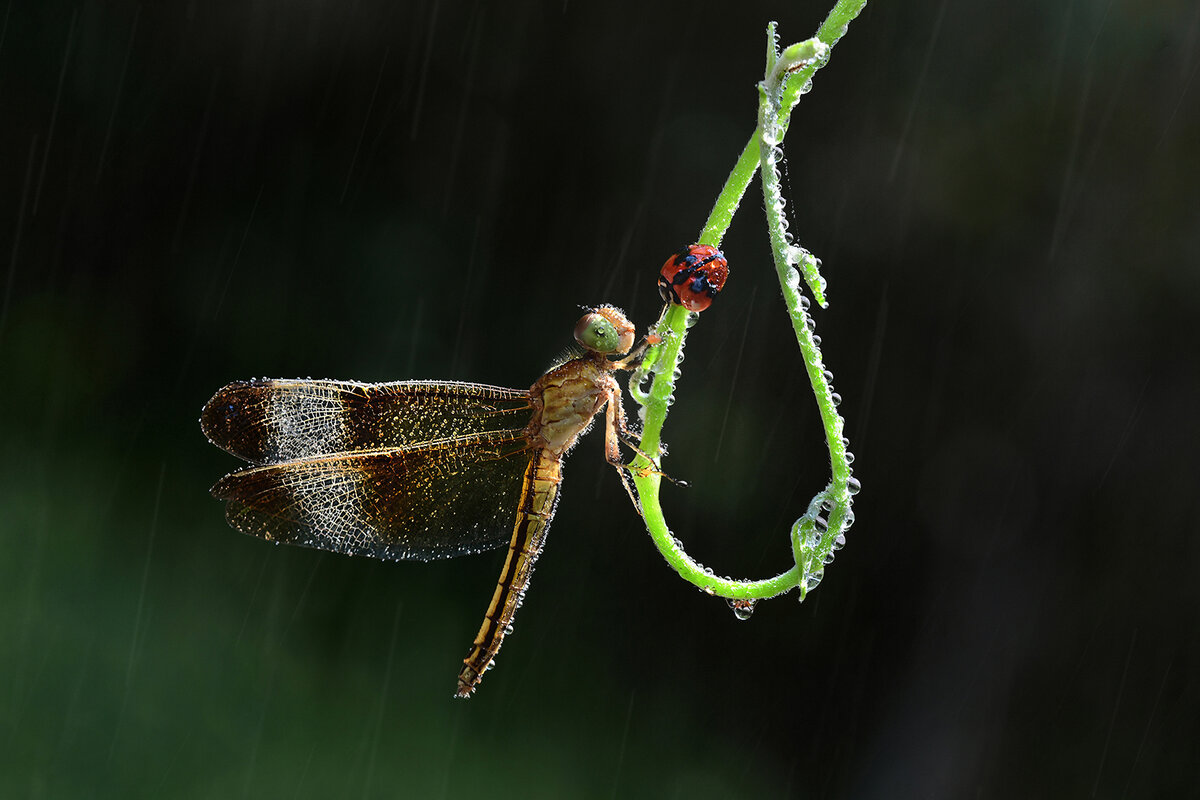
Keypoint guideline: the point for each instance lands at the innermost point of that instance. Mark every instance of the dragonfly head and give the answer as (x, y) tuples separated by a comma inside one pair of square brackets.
[(605, 330)]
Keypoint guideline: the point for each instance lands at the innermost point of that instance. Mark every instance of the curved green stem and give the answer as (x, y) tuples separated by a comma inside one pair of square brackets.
[(814, 537)]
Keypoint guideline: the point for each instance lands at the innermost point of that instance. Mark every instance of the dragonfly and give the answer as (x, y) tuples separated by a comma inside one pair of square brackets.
[(423, 470)]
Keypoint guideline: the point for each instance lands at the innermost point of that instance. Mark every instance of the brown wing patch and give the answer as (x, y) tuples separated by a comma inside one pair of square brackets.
[(434, 500)]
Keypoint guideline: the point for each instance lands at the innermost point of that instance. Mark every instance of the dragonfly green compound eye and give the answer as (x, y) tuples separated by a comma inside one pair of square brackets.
[(605, 330), (596, 334)]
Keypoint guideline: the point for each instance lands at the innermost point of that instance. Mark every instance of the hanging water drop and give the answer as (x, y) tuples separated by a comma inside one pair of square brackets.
[(852, 484), (743, 609)]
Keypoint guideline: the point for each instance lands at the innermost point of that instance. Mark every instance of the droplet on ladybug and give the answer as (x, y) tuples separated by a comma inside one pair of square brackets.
[(692, 277)]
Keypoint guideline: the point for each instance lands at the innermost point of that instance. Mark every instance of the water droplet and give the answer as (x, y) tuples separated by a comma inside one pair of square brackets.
[(828, 558), (852, 484), (805, 303), (508, 629), (839, 542), (743, 609), (836, 398), (817, 340), (849, 457), (828, 376)]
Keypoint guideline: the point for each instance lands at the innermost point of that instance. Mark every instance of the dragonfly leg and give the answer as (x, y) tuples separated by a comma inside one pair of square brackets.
[(635, 356), (616, 430)]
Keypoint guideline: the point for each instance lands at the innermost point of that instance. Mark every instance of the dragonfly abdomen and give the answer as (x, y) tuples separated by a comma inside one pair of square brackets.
[(539, 498)]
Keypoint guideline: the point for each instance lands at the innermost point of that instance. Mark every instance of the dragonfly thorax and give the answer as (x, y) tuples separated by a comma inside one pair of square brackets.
[(567, 399)]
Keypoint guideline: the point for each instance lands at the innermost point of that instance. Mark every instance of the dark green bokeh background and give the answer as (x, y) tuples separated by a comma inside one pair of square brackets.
[(1005, 198)]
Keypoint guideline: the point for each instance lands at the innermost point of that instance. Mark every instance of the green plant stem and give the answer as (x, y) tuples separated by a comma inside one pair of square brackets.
[(783, 86)]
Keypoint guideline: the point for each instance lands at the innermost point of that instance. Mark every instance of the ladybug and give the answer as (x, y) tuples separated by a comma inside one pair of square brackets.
[(692, 277)]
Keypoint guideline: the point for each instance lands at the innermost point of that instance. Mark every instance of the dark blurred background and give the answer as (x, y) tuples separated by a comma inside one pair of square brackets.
[(1005, 199)]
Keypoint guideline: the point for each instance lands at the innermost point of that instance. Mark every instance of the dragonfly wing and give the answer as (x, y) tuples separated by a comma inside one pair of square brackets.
[(434, 500), (275, 421)]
